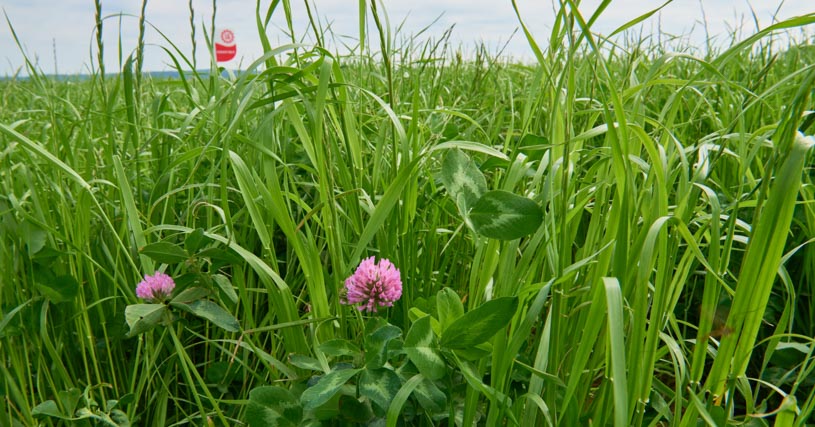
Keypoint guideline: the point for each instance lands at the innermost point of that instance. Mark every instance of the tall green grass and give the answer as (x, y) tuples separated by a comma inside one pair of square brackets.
[(670, 282)]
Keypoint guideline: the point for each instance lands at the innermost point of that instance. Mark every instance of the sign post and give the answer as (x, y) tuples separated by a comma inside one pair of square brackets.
[(225, 47)]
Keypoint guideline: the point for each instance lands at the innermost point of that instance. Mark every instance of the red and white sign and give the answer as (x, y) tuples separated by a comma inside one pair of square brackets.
[(225, 47)]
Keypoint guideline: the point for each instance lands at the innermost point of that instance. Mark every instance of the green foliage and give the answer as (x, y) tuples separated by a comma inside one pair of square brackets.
[(502, 215), (462, 179), (422, 348), (191, 299), (348, 383), (273, 406), (210, 311), (165, 252), (378, 334), (143, 317), (326, 387), (74, 406), (617, 234), (477, 326), (496, 214)]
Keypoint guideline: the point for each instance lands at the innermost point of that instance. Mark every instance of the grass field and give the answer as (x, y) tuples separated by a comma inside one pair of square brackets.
[(615, 234)]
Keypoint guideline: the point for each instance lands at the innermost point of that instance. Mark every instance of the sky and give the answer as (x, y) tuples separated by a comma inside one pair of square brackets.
[(59, 35)]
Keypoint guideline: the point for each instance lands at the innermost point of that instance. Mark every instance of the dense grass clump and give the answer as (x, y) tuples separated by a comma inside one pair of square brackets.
[(619, 233)]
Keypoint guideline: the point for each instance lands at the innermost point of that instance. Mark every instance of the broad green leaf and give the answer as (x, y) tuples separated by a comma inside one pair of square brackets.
[(354, 411), (421, 348), (480, 324), (221, 372), (69, 399), (451, 130), (119, 418), (803, 348), (505, 216), (273, 406), (46, 256), (49, 408), (462, 179), (415, 314), (33, 236), (474, 353), (226, 287), (376, 345), (326, 388), (213, 312), (59, 289), (380, 386), (143, 317), (165, 252), (305, 362), (190, 294), (788, 355), (430, 396), (339, 347), (534, 146), (449, 307), (195, 240)]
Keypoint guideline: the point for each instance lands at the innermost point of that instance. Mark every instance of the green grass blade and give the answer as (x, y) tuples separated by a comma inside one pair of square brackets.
[(616, 346), (133, 217)]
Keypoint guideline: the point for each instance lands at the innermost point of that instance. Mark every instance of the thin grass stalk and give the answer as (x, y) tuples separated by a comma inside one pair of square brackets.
[(140, 46), (385, 51), (318, 37), (189, 371), (100, 47), (212, 28), (712, 292), (193, 41), (363, 14)]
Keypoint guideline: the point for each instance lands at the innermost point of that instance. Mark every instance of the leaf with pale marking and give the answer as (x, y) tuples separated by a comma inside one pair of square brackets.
[(143, 317), (505, 216), (213, 312), (165, 252), (421, 348), (380, 386), (376, 345), (463, 180), (326, 388), (273, 406), (430, 396), (449, 307)]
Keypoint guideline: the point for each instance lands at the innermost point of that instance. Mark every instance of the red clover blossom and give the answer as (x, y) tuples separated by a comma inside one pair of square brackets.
[(159, 286), (373, 285)]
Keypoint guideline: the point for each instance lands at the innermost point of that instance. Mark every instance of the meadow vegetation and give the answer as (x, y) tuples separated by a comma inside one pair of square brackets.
[(617, 233)]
